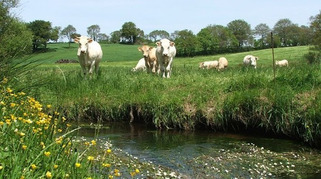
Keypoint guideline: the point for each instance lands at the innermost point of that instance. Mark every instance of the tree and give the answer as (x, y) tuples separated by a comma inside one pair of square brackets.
[(158, 34), (102, 37), (242, 31), (263, 31), (93, 31), (129, 32), (42, 33), (186, 43), (55, 33), (15, 37), (282, 29), (115, 36), (216, 39), (314, 55), (68, 33)]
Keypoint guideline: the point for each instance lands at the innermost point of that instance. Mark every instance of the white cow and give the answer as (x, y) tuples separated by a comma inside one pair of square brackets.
[(140, 65), (165, 52), (222, 63), (149, 53), (89, 54), (282, 63), (209, 64), (250, 60)]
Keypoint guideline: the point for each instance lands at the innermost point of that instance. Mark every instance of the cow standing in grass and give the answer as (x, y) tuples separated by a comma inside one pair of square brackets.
[(89, 54), (149, 54), (165, 53)]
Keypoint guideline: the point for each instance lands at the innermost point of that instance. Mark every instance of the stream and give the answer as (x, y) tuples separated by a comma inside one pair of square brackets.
[(208, 154)]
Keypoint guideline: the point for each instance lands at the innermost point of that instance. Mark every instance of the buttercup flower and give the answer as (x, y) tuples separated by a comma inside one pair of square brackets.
[(48, 174)]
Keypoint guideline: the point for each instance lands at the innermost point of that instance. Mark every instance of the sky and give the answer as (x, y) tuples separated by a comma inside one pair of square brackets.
[(168, 15)]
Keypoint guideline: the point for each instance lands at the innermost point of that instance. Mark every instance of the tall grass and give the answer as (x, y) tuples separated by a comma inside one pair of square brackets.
[(237, 98)]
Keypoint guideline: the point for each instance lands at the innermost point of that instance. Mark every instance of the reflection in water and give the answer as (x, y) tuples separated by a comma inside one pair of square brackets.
[(178, 149)]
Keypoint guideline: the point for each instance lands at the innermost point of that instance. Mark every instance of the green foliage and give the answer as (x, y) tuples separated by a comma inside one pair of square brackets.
[(93, 31), (186, 43), (68, 33), (42, 33), (15, 38), (129, 32), (242, 31)]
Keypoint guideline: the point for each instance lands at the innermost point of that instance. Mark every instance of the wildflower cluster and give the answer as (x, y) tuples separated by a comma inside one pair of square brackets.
[(35, 140)]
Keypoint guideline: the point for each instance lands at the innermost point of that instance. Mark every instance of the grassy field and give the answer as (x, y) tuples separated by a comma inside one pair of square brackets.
[(236, 99)]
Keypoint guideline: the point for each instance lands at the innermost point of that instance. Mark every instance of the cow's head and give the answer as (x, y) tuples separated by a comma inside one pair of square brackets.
[(253, 60), (83, 42), (145, 50), (165, 45)]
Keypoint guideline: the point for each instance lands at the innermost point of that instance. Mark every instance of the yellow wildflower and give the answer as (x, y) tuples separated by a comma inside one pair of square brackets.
[(1, 123), (86, 143), (47, 154), (4, 80), (55, 166), (59, 140), (59, 130), (110, 177), (77, 165), (93, 142), (33, 167), (108, 151), (106, 165), (132, 174), (24, 147), (68, 125), (137, 170), (1, 167), (63, 119), (22, 134), (9, 90), (90, 158), (13, 105), (2, 103), (22, 177), (48, 174), (48, 106)]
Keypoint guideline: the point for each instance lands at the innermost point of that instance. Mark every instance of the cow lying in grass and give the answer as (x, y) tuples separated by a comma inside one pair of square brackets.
[(89, 54), (208, 64), (282, 63), (140, 65), (250, 60)]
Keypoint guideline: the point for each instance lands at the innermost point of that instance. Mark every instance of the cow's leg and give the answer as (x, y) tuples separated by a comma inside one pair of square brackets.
[(96, 68)]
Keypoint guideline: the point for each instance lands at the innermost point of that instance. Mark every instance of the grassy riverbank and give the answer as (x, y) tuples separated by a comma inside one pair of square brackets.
[(237, 99)]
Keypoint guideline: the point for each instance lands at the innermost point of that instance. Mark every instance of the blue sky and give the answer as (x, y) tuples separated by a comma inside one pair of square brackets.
[(169, 15)]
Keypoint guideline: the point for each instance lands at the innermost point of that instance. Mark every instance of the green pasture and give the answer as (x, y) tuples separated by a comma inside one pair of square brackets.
[(236, 99), (128, 55)]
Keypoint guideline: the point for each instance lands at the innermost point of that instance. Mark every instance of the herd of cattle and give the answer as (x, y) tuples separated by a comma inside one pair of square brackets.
[(157, 59)]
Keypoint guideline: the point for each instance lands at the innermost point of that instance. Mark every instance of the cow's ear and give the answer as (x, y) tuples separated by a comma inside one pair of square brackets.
[(256, 58), (90, 40), (139, 49), (172, 43), (158, 43), (76, 39), (150, 48)]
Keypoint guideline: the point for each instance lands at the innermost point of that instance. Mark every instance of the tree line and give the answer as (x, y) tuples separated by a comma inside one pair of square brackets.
[(236, 36)]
